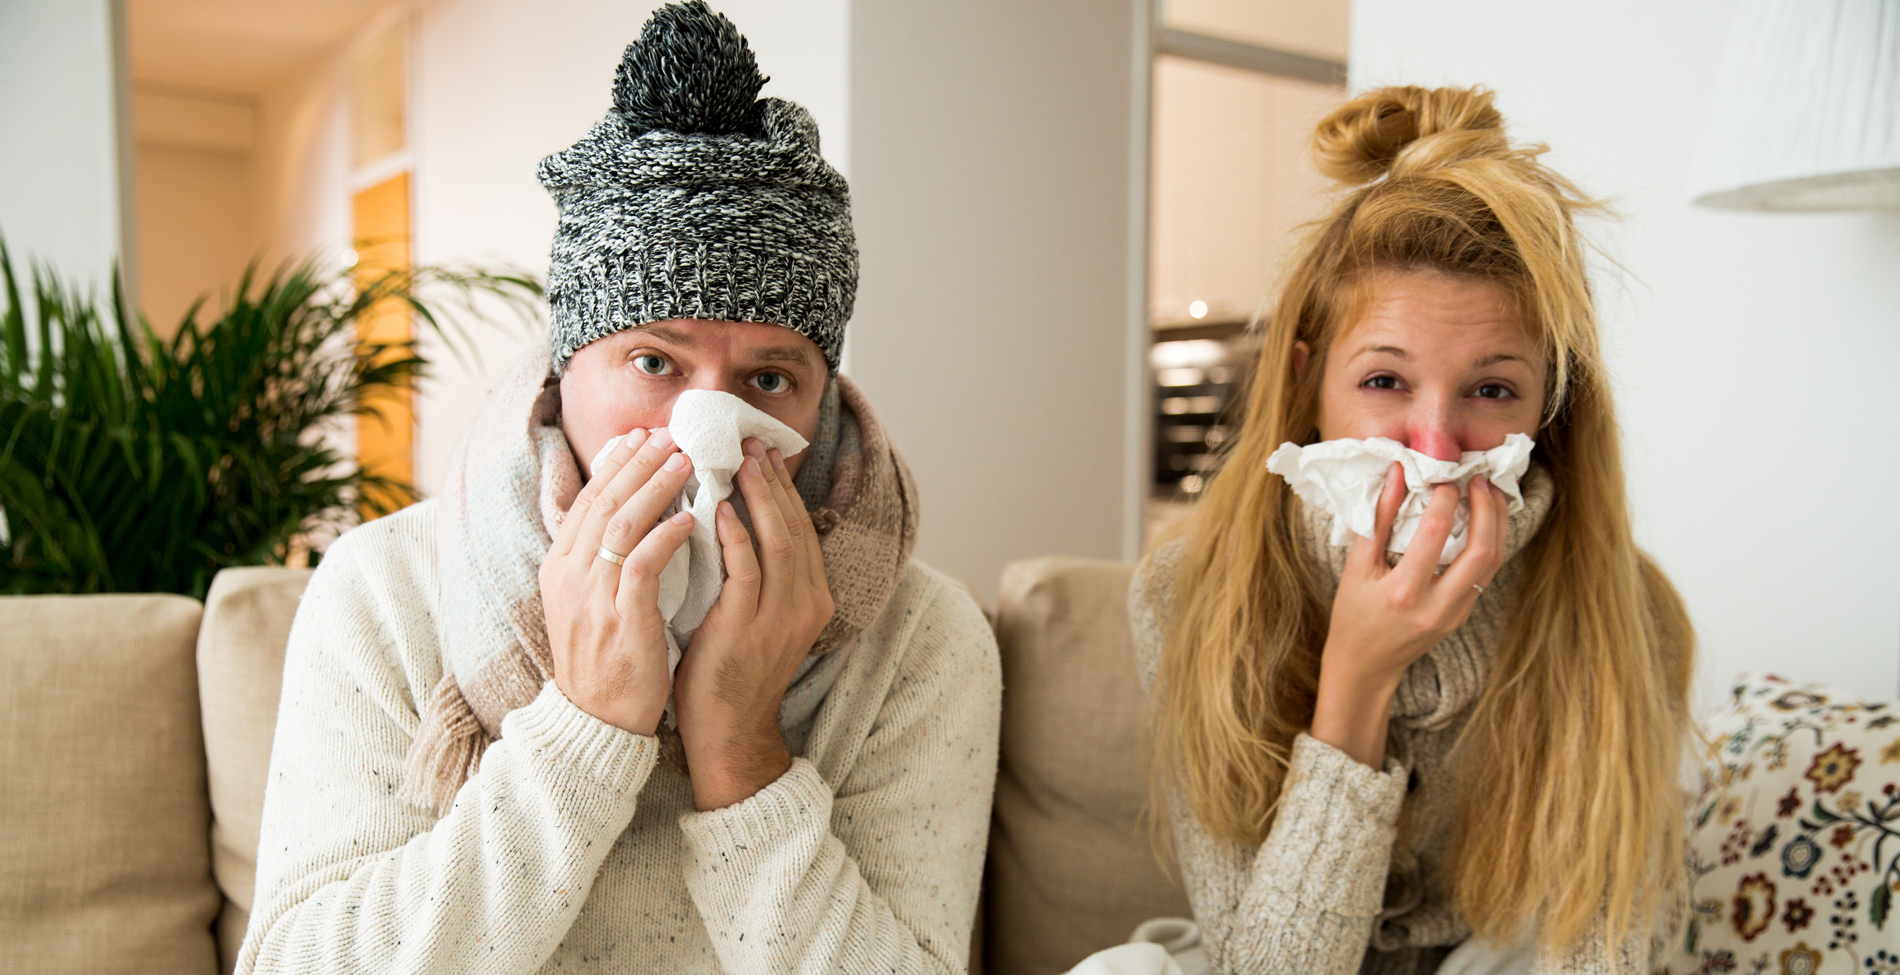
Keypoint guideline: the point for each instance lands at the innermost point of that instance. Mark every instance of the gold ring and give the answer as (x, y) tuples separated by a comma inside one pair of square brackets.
[(611, 557)]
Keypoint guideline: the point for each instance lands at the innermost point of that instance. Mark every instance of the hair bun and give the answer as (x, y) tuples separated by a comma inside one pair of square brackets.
[(690, 71), (1364, 139)]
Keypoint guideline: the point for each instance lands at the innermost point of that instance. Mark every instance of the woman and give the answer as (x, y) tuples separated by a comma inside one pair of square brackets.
[(476, 768), (1371, 761)]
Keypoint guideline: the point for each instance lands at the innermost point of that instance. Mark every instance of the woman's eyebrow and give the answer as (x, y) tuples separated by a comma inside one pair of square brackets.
[(1391, 350), (1494, 359)]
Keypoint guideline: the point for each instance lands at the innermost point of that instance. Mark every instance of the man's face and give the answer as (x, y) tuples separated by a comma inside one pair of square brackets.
[(630, 379)]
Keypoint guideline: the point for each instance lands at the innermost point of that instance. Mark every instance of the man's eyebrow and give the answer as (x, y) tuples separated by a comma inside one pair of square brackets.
[(665, 333), (771, 353), (781, 353)]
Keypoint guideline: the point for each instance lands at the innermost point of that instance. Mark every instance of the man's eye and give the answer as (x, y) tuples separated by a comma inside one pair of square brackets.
[(771, 382), (1381, 382), (652, 365), (1494, 391)]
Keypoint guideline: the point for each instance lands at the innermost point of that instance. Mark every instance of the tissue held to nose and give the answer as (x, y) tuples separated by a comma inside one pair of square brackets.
[(709, 426), (1345, 477)]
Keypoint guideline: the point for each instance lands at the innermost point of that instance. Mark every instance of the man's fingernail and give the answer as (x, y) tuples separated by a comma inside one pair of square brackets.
[(676, 462)]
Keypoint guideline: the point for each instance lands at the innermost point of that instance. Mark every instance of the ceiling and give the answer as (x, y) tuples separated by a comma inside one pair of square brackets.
[(1317, 28), (242, 47)]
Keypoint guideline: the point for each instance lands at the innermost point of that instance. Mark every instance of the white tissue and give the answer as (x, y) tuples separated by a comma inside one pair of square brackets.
[(709, 427), (1346, 477)]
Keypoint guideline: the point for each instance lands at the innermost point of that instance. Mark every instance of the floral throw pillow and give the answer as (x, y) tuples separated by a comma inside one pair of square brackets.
[(1794, 841)]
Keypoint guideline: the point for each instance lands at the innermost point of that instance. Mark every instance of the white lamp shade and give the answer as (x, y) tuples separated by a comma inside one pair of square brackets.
[(1807, 110)]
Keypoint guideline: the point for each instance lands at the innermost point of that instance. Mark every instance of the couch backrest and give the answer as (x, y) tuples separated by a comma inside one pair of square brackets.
[(1072, 868), (104, 862), (111, 739), (240, 674)]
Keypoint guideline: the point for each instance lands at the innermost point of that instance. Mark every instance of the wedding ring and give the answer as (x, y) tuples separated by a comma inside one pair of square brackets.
[(611, 556), (1473, 585)]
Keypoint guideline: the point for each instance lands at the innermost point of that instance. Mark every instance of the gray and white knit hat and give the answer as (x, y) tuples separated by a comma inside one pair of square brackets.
[(695, 198)]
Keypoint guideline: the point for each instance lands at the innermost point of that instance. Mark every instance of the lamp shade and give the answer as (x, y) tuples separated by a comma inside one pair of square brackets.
[(1807, 110)]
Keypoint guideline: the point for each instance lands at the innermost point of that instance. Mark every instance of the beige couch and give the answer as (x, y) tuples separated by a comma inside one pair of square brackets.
[(135, 738)]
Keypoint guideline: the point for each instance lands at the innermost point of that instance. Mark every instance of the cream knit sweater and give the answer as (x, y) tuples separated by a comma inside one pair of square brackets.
[(574, 849), (1332, 890)]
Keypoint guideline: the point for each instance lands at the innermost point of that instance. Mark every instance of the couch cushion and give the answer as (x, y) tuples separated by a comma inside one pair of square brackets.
[(104, 860), (1793, 863), (240, 674), (1072, 867)]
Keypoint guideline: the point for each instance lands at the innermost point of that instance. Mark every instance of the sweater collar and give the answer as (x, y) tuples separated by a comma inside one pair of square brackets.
[(1441, 684)]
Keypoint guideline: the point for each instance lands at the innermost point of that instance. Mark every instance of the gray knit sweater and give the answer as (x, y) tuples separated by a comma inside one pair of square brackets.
[(1331, 890)]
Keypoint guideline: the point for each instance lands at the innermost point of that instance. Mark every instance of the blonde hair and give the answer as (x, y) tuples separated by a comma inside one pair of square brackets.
[(1567, 768)]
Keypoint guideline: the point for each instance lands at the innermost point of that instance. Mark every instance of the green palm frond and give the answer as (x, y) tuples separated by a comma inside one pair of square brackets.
[(131, 462)]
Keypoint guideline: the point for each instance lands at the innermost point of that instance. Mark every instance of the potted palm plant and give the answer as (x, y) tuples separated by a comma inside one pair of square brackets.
[(136, 462)]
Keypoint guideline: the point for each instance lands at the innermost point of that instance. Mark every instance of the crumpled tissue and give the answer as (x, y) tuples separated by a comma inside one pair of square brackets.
[(709, 426), (1345, 478)]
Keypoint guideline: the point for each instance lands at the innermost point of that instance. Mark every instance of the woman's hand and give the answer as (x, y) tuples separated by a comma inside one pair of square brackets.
[(743, 657), (1387, 617), (604, 625)]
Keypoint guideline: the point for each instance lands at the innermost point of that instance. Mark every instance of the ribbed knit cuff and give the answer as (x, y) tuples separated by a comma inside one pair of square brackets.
[(571, 738), (1331, 845), (810, 292), (796, 798)]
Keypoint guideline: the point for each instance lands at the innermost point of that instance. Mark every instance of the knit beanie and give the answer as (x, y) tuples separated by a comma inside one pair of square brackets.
[(695, 198)]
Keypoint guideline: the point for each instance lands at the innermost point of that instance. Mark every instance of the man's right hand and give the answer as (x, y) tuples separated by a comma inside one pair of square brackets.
[(604, 624)]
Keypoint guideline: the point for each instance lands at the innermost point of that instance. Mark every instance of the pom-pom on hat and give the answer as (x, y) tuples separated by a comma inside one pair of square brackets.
[(695, 198)]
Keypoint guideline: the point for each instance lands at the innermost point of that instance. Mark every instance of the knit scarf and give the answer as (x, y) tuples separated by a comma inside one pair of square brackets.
[(1439, 685), (510, 482)]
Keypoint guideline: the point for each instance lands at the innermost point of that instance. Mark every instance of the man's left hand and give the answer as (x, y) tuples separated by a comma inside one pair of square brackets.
[(773, 605)]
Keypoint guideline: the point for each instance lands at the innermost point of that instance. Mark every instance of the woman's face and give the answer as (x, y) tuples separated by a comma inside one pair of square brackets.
[(1439, 363), (630, 378)]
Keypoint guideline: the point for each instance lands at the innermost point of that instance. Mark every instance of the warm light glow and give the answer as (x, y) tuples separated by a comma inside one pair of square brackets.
[(1197, 353), (1197, 309)]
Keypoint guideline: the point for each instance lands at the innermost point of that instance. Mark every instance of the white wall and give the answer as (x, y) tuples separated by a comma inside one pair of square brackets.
[(301, 180), (997, 190), (62, 173), (1736, 339), (497, 86)]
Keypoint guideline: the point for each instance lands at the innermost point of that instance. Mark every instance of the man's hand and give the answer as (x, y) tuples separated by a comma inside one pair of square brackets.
[(774, 604), (604, 625)]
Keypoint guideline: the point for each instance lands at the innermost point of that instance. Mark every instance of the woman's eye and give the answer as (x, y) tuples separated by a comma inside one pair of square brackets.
[(1381, 382), (771, 382), (1494, 391), (652, 365)]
